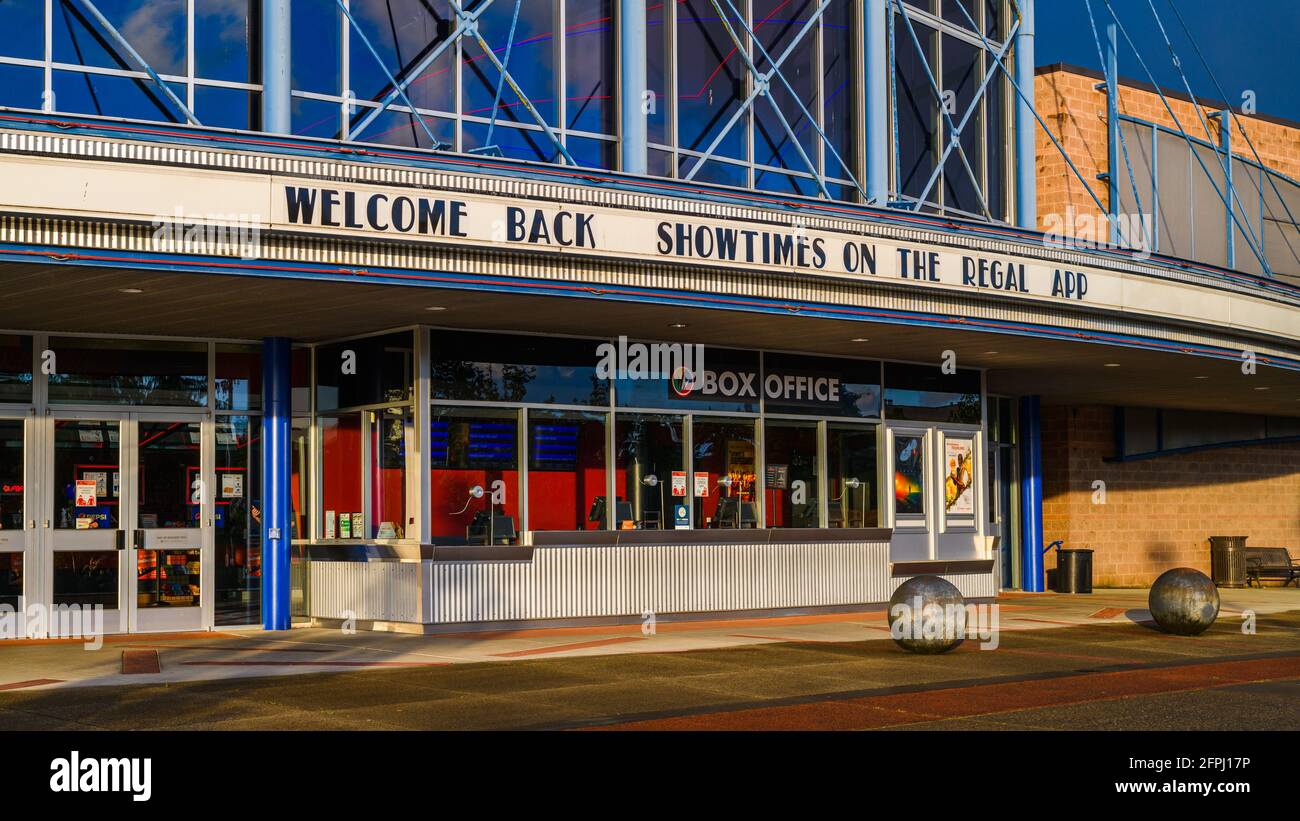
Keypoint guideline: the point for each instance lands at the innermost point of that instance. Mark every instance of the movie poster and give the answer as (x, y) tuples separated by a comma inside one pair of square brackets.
[(909, 475), (959, 477)]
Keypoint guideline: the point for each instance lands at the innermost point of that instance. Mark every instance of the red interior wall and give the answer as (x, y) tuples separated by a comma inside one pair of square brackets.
[(341, 466), (450, 492)]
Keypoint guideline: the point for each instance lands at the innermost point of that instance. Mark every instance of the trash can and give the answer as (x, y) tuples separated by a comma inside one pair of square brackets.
[(1228, 561), (1074, 570)]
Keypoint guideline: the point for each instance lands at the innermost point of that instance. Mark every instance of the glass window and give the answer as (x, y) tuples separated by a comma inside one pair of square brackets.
[(961, 79), (170, 477), (15, 368), (403, 31), (777, 24), (239, 377), (113, 96), (649, 449), (474, 459), (21, 86), (658, 59), (391, 432), (725, 458), (790, 471), (927, 394), (320, 68), (494, 368), (566, 470), (86, 578), (11, 474), (918, 112), (156, 29), (222, 33), (238, 522), (710, 81), (341, 476), (851, 475), (129, 372), (87, 453), (11, 579), (532, 62), (838, 62), (24, 28), (369, 371), (589, 65), (823, 386), (300, 478)]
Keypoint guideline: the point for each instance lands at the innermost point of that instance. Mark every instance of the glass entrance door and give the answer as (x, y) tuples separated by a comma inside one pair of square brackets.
[(169, 520), (131, 518), (17, 525)]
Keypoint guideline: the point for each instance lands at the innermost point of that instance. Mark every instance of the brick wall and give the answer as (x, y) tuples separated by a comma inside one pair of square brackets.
[(1159, 513), (1076, 115)]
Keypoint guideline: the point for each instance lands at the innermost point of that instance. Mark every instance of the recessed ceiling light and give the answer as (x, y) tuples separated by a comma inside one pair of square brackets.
[(131, 290), (859, 339), (678, 325), (990, 353), (1200, 377), (1111, 365), (435, 308), (1262, 388)]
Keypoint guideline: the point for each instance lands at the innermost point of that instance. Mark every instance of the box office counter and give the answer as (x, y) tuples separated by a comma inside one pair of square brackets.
[(614, 576)]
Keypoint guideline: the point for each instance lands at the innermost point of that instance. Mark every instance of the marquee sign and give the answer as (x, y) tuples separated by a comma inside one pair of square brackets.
[(166, 195), (647, 236)]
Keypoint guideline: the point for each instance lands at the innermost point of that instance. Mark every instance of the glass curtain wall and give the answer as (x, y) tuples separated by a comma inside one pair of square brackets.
[(205, 52)]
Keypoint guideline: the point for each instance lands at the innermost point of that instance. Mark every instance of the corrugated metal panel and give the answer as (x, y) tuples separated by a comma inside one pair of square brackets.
[(581, 582), (366, 591)]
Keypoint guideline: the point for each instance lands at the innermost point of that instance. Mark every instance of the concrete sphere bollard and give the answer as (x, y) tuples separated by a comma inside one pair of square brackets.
[(927, 615), (1184, 601)]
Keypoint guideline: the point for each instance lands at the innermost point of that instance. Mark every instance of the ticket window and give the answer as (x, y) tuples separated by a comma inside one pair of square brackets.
[(650, 469), (724, 472), (790, 450), (566, 470), (474, 475)]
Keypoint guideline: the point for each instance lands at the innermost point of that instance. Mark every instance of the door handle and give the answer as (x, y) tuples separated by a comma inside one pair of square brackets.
[(121, 539)]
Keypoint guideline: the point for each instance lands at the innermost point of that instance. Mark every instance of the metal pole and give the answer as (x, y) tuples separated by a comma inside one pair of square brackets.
[(632, 82), (1031, 494), (277, 410), (277, 109), (1225, 142), (1112, 131), (877, 72), (1026, 176)]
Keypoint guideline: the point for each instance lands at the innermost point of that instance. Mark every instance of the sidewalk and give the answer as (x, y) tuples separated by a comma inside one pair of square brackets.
[(223, 655)]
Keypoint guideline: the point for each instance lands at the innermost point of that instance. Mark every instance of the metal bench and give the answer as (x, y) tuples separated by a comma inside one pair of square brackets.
[(1270, 563)]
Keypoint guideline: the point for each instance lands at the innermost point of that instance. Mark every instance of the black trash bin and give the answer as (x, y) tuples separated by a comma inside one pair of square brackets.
[(1074, 570), (1228, 561)]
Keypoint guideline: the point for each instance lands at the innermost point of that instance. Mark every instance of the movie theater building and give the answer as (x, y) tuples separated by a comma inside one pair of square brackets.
[(444, 314)]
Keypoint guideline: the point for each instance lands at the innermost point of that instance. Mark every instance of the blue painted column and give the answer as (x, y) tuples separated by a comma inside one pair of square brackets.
[(1026, 124), (277, 112), (876, 47), (632, 86), (277, 410), (1031, 494)]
